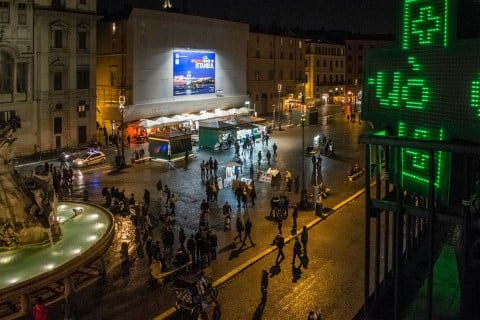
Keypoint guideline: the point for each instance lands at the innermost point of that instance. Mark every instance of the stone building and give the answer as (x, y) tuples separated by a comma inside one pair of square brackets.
[(47, 78)]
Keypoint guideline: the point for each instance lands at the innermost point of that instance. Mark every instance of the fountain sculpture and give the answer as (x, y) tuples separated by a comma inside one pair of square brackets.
[(27, 205)]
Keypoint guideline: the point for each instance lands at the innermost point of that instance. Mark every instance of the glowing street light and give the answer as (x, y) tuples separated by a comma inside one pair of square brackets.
[(121, 108)]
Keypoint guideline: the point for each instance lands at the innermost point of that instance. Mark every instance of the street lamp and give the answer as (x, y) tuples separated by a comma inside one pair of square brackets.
[(280, 106), (121, 108), (303, 192)]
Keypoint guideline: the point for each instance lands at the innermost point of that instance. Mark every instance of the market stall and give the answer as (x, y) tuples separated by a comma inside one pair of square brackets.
[(169, 145), (213, 132)]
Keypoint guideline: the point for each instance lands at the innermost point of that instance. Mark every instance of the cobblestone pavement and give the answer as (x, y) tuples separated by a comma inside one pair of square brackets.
[(124, 294)]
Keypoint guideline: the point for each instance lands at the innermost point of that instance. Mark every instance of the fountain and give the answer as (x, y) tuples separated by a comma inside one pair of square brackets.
[(44, 244)]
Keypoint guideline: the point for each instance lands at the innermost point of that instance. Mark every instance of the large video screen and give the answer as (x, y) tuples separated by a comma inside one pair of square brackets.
[(193, 72)]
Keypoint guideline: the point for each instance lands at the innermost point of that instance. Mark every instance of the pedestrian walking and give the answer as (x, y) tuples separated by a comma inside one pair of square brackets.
[(279, 225), (252, 172), (304, 239), (259, 157), (202, 170), (240, 227), (274, 149), (297, 251), (279, 242), (212, 242), (269, 155), (264, 285), (248, 233)]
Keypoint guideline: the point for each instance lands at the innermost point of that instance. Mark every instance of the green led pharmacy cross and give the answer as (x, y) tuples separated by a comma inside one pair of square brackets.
[(425, 23), (426, 87)]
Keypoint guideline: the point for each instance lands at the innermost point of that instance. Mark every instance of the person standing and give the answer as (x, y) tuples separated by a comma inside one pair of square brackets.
[(259, 157), (279, 224), (148, 249), (264, 285), (39, 310), (253, 196), (274, 149), (304, 239), (181, 238), (202, 170), (248, 233), (240, 227), (192, 248), (269, 155), (295, 216), (279, 242), (217, 312)]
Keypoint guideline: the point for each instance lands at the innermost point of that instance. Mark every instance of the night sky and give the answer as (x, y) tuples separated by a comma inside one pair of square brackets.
[(358, 16), (364, 16)]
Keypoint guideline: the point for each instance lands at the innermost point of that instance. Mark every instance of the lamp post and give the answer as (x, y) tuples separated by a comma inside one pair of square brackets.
[(280, 106), (121, 108), (303, 192)]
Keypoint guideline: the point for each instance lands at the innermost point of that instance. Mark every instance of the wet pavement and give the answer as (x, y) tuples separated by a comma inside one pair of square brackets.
[(124, 293)]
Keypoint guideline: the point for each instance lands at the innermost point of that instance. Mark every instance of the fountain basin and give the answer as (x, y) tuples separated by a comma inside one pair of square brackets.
[(86, 237)]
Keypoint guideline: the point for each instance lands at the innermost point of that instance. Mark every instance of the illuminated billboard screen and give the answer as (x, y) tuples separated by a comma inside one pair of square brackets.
[(193, 72)]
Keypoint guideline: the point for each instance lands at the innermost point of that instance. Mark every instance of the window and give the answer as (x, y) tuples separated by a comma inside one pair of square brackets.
[(83, 79), (360, 58), (281, 55), (58, 35), (57, 125), (57, 80), (324, 63), (82, 1), (22, 76), (280, 75), (290, 56), (114, 28), (4, 12), (58, 106), (257, 54), (349, 58), (318, 63), (299, 44), (82, 109), (82, 40), (6, 73), (257, 75), (58, 39), (271, 75), (22, 13)]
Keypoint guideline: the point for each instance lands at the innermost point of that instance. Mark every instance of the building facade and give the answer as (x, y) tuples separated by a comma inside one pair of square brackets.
[(168, 63), (325, 70), (276, 70), (355, 47), (48, 72)]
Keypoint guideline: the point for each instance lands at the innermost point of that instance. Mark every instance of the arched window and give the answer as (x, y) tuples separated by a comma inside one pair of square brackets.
[(6, 73)]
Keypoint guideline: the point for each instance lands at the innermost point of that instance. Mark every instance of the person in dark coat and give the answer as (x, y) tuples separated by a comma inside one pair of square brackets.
[(279, 242), (181, 238), (248, 233), (240, 227), (304, 239), (297, 251), (148, 249), (192, 248)]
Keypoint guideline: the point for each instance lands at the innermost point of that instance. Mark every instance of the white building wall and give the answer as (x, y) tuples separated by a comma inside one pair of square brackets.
[(153, 35)]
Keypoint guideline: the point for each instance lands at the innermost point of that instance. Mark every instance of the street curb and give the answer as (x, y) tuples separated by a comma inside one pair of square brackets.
[(266, 252)]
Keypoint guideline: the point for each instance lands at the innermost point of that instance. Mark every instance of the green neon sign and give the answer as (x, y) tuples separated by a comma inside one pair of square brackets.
[(427, 87)]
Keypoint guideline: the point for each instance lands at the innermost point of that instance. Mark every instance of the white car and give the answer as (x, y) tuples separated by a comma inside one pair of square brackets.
[(89, 158)]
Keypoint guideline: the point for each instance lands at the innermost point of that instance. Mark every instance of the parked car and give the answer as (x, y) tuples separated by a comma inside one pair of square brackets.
[(89, 158)]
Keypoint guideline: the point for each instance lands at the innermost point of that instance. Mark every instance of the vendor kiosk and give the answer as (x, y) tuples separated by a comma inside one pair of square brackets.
[(169, 145)]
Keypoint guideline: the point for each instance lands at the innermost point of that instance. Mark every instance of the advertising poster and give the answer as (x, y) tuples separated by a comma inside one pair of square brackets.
[(193, 72)]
